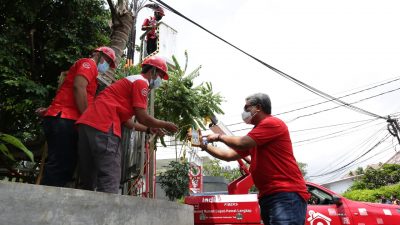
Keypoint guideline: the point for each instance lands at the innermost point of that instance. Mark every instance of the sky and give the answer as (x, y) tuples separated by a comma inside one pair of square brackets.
[(339, 47)]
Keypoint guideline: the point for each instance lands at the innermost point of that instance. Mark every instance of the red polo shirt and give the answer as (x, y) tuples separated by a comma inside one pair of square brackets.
[(64, 101), (150, 22), (115, 104), (273, 166)]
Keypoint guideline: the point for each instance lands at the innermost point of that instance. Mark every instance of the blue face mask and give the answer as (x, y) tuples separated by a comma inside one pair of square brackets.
[(103, 67), (155, 83)]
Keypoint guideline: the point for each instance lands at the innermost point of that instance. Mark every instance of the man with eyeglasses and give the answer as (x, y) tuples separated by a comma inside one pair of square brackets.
[(282, 190)]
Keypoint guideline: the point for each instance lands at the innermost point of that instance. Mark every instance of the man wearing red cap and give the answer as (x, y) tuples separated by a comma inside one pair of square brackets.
[(74, 95), (150, 25), (99, 145)]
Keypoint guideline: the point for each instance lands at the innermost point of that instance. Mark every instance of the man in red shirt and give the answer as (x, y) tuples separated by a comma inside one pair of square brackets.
[(150, 25), (74, 95), (100, 125), (282, 189)]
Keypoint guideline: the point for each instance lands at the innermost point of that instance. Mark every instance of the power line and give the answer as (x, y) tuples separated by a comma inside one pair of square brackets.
[(324, 137), (379, 153), (314, 128), (351, 152), (361, 100), (332, 125), (378, 84), (353, 161), (350, 94), (287, 76)]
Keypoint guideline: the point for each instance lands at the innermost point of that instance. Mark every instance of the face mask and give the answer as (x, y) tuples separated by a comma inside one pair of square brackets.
[(247, 117), (155, 83), (103, 67)]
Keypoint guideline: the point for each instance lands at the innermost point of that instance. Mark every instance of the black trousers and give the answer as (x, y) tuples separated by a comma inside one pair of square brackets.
[(151, 45), (62, 137), (99, 160)]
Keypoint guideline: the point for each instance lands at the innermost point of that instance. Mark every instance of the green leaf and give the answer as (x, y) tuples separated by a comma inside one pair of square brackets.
[(17, 143), (6, 152)]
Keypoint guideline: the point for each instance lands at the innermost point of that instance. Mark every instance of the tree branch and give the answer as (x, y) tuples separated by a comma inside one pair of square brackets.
[(112, 9)]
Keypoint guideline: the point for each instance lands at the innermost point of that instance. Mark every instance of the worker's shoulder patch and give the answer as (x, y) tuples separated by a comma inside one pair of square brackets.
[(144, 91), (86, 65)]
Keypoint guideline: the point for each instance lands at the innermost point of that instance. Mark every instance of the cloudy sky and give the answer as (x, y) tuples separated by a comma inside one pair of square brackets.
[(342, 47)]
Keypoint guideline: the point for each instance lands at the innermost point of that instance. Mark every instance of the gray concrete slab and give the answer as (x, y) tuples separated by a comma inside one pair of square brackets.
[(27, 204)]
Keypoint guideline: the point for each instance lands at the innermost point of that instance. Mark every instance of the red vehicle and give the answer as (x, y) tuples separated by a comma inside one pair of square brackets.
[(324, 207)]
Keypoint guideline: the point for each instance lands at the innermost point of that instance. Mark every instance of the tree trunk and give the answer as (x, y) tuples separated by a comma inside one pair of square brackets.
[(121, 28)]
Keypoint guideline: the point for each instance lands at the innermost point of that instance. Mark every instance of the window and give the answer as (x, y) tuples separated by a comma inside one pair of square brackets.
[(319, 197)]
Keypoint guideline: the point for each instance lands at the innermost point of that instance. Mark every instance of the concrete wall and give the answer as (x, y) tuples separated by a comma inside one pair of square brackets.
[(22, 204)]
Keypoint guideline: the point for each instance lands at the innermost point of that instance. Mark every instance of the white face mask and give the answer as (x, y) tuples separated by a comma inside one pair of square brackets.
[(103, 67), (247, 117), (155, 83)]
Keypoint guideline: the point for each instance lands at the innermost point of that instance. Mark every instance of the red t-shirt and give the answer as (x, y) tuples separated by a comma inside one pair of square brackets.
[(115, 104), (150, 22), (273, 166), (64, 101)]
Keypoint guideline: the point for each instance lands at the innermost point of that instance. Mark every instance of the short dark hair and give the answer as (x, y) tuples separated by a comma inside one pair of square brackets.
[(260, 99), (146, 68)]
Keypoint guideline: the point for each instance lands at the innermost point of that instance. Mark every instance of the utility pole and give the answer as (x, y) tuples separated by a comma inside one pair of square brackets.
[(394, 128)]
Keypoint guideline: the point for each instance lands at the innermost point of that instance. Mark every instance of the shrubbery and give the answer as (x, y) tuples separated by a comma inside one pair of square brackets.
[(373, 195)]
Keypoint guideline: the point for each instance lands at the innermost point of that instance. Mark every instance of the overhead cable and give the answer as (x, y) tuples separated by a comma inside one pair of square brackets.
[(358, 101), (287, 76), (355, 164), (333, 134), (351, 152), (332, 125), (353, 161), (320, 103), (353, 93)]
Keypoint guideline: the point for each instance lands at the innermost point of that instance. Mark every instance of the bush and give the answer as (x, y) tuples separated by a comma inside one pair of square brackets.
[(373, 195), (175, 181)]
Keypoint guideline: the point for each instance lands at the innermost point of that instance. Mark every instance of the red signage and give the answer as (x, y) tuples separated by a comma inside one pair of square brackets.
[(195, 179), (225, 209)]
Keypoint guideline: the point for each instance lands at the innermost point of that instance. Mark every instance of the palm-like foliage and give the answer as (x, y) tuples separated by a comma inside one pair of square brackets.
[(187, 106)]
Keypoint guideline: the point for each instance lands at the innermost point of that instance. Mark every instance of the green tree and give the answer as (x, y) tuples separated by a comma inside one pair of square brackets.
[(175, 181), (359, 171), (387, 174), (39, 39), (303, 168), (214, 168), (373, 195), (179, 101)]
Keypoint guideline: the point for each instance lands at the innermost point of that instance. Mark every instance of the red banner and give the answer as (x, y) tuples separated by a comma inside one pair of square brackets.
[(195, 179)]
